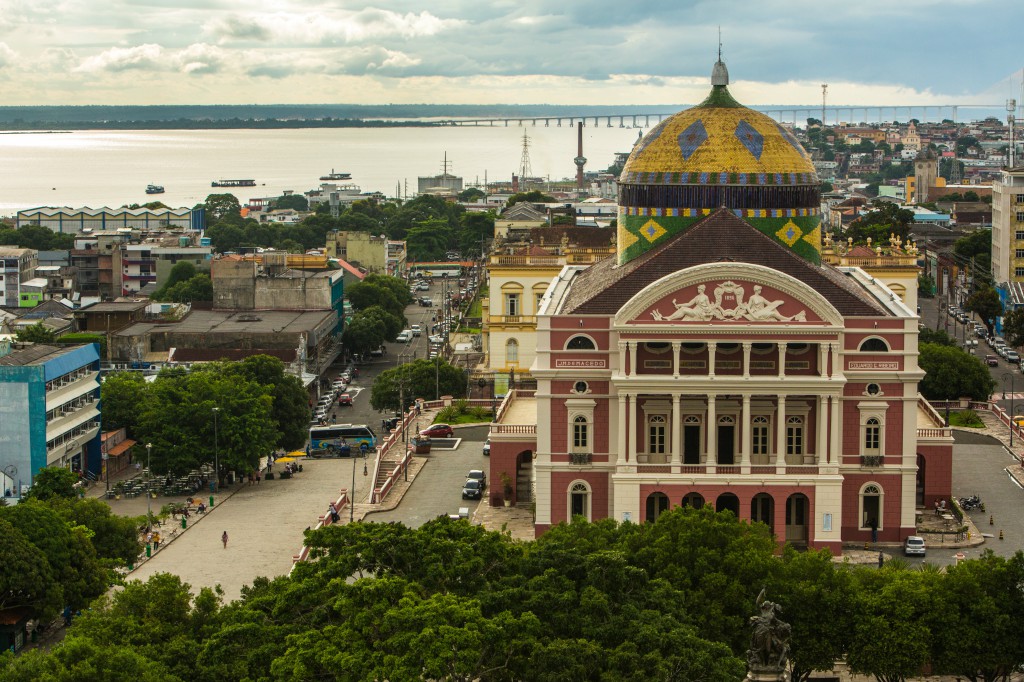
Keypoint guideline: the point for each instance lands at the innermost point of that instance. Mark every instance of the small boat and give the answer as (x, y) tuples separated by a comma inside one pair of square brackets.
[(154, 189), (336, 176), (233, 183)]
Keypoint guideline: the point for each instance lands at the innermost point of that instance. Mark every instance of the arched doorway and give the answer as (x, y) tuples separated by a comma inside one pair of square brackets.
[(691, 440), (656, 504), (728, 501), (726, 439), (797, 511), (695, 500), (762, 508), (524, 476)]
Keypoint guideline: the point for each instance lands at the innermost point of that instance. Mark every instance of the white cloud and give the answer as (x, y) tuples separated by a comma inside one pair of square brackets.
[(7, 56), (143, 57), (323, 28)]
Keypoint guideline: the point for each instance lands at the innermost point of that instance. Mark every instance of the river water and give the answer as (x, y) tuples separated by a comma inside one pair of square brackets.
[(112, 168)]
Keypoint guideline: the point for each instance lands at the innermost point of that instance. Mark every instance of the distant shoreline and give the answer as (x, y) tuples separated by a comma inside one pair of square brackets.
[(31, 127)]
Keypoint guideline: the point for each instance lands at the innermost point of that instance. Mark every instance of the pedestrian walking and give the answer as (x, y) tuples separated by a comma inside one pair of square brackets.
[(156, 541), (224, 539), (258, 474), (874, 530), (334, 513)]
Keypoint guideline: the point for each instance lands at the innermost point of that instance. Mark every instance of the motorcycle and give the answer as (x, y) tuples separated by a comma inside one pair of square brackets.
[(971, 503)]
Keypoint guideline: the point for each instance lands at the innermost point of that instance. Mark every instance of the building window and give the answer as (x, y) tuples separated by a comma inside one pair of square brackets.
[(759, 435), (580, 433), (513, 305), (795, 436), (580, 343), (1020, 216), (872, 436), (1018, 253), (657, 503), (511, 352), (1020, 234), (656, 430), (579, 500), (1018, 272), (873, 346)]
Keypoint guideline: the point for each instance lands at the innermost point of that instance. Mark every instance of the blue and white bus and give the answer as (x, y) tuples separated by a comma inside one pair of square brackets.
[(340, 439)]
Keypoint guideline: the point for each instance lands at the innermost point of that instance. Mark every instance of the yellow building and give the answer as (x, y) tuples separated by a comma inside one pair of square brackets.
[(519, 277), (366, 250), (894, 265)]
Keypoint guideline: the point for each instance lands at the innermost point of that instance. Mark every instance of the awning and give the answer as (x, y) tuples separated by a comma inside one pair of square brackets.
[(121, 448)]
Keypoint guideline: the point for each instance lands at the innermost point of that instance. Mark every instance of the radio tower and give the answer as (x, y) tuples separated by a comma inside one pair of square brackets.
[(525, 171), (955, 177), (824, 92)]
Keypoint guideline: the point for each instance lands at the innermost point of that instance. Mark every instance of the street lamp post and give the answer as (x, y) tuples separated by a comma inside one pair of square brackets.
[(149, 497), (216, 453)]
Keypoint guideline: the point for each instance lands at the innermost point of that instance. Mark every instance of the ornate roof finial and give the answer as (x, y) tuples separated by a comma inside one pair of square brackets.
[(719, 74)]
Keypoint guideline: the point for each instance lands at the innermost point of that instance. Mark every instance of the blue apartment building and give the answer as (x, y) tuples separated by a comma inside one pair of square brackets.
[(49, 413)]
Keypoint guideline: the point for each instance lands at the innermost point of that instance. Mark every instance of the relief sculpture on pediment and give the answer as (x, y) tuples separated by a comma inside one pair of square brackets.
[(729, 304)]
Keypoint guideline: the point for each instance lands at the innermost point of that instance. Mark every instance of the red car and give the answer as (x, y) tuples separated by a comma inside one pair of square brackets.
[(345, 399), (991, 361), (438, 431)]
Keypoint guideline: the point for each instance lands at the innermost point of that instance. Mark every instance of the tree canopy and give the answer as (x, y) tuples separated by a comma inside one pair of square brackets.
[(986, 304), (951, 373), (420, 378), (36, 333)]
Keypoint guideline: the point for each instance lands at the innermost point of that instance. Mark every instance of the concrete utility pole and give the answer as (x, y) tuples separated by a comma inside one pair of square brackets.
[(824, 93)]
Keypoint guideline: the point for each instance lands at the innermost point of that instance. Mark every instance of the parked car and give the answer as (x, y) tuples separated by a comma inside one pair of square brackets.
[(404, 337), (426, 301), (1012, 356), (914, 546), (991, 361), (423, 286), (345, 399), (487, 447), (438, 431), (416, 330), (472, 489), (478, 475)]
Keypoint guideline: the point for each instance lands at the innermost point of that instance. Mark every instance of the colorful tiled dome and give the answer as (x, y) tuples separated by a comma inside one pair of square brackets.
[(718, 153)]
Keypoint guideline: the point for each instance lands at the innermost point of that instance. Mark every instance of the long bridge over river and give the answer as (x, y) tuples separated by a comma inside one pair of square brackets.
[(794, 115)]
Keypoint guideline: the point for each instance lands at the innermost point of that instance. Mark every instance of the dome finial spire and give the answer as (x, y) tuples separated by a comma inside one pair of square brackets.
[(719, 74)]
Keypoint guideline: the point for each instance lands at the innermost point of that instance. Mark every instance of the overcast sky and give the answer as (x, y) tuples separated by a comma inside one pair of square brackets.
[(507, 51)]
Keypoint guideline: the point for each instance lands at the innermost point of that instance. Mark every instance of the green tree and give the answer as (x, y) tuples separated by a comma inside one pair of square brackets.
[(471, 195), (390, 323), (296, 202), (225, 237), (53, 482), (925, 286), (986, 304), (1013, 327), (123, 396), (534, 196), (951, 374), (428, 240), (363, 333), (290, 400), (421, 378), (883, 220), (375, 292), (222, 207), (198, 288), (936, 336), (27, 580), (36, 333), (115, 538), (976, 248)]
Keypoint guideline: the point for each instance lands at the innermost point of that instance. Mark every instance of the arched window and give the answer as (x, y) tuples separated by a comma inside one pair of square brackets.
[(656, 504), (872, 436), (695, 500), (511, 352), (512, 295), (759, 430), (579, 500), (874, 345), (580, 343), (795, 436), (656, 432), (580, 432), (871, 497)]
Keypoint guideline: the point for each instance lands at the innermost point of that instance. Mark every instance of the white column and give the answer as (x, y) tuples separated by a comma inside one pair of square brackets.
[(712, 347), (821, 428), (677, 430), (622, 357), (834, 351), (746, 359), (712, 432), (632, 357), (621, 423), (823, 359), (780, 433), (676, 345), (631, 429), (745, 431), (834, 452), (782, 359)]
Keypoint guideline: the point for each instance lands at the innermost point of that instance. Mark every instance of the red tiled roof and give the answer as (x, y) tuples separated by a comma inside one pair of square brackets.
[(722, 237), (121, 448), (348, 267)]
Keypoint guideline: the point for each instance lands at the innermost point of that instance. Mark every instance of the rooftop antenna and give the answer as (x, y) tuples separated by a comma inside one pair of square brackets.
[(446, 165), (719, 43)]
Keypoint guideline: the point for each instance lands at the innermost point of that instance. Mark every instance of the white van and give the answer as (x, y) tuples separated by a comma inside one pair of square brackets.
[(404, 337), (416, 330)]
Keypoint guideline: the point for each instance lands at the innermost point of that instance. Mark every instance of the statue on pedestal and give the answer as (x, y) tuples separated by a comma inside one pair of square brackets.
[(769, 641)]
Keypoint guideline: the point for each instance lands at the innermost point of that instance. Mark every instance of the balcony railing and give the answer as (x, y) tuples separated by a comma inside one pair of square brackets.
[(581, 458), (872, 460), (512, 319)]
